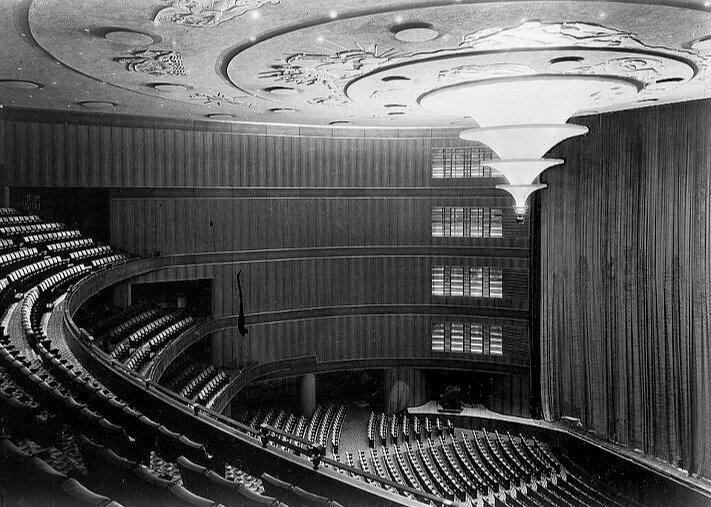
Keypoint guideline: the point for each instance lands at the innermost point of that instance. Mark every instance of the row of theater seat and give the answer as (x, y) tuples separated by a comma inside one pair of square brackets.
[(18, 219), (323, 427), (389, 429)]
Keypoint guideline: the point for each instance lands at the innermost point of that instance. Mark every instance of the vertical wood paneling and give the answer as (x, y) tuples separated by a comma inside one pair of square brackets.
[(626, 287), (151, 157)]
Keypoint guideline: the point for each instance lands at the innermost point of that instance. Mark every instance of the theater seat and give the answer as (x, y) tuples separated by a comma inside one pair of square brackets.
[(185, 497), (84, 496)]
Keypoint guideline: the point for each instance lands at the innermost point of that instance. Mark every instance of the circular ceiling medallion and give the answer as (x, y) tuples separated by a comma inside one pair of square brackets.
[(168, 87), (281, 90), (282, 110), (19, 84), (414, 32), (525, 99), (220, 116), (129, 37), (97, 104)]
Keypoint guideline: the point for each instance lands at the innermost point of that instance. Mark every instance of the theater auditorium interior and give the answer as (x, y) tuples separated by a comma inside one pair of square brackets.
[(337, 253)]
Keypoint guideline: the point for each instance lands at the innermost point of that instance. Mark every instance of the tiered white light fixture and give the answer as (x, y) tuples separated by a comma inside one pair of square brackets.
[(522, 118)]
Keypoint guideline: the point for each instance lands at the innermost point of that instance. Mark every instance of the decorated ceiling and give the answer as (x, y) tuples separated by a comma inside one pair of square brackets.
[(344, 63)]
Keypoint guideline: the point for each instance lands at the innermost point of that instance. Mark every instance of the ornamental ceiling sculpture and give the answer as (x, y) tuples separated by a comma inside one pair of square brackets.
[(155, 62), (332, 61), (206, 13)]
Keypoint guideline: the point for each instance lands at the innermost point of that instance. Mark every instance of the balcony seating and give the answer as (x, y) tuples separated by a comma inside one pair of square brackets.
[(14, 260), (126, 327), (109, 259), (69, 246), (30, 228), (7, 245), (18, 219), (45, 238), (88, 254)]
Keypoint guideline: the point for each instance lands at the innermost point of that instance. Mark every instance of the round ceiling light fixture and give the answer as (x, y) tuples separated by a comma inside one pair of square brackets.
[(128, 37), (281, 90), (97, 104), (168, 87), (414, 32), (20, 84)]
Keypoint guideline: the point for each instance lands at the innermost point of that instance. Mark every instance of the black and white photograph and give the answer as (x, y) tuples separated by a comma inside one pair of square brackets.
[(313, 253)]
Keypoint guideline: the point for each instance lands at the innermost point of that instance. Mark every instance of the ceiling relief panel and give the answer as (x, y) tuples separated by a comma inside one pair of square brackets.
[(367, 63), (155, 62), (206, 13)]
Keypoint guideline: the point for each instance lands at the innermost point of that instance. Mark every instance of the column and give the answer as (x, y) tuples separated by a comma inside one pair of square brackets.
[(404, 387), (307, 400)]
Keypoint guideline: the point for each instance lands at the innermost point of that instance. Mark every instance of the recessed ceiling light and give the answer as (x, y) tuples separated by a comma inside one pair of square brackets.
[(168, 87), (20, 84), (669, 80), (395, 79), (399, 19), (97, 104), (414, 32), (129, 37), (707, 4), (255, 14), (282, 110), (220, 116), (566, 59), (333, 14), (281, 90)]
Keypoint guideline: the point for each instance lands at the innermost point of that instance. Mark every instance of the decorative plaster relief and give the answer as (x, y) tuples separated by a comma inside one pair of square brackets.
[(485, 71), (206, 13), (330, 70), (155, 62), (219, 99), (641, 68), (534, 34)]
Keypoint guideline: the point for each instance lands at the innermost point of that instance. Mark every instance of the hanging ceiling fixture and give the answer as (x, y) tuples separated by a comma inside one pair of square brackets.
[(522, 117)]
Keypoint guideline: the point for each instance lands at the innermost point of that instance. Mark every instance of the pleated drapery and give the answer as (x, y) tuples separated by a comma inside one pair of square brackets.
[(626, 274)]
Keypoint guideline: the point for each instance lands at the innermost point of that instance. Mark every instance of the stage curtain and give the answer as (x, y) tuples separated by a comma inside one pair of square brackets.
[(625, 300)]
